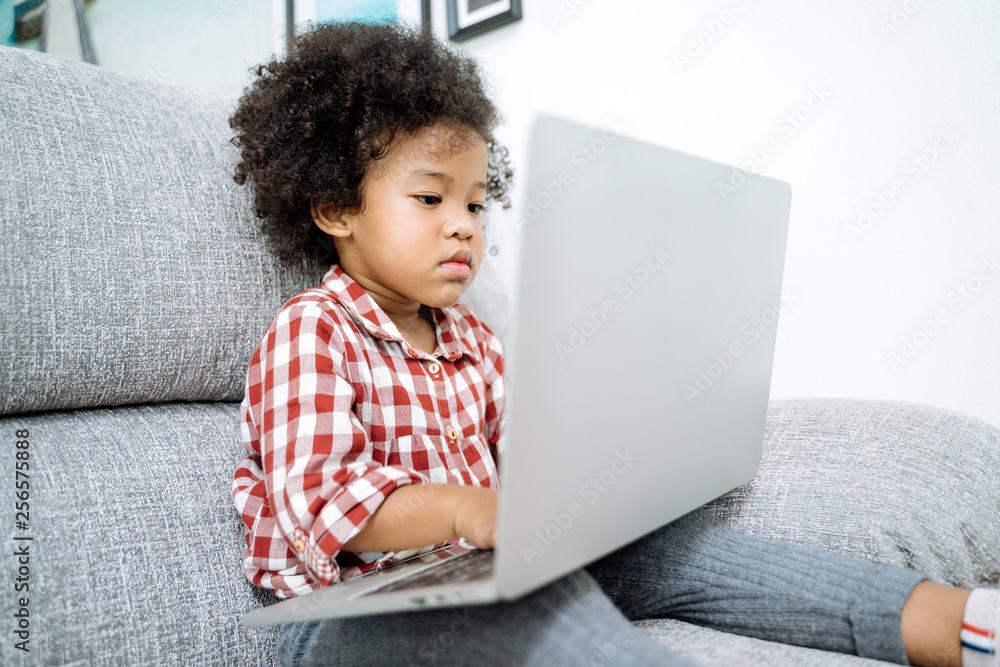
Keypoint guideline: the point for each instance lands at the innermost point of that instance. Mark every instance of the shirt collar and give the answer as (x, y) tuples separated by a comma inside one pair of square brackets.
[(451, 344)]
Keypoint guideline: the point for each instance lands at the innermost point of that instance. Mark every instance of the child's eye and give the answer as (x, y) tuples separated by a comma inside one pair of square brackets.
[(476, 208), (430, 200)]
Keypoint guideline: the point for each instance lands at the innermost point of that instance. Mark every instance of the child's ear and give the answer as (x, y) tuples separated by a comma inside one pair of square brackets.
[(330, 220)]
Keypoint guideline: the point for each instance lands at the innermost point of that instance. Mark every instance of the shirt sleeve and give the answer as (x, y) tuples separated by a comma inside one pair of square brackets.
[(321, 480)]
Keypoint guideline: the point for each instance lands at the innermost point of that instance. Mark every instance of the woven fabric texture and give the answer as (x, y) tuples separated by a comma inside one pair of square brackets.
[(892, 482), (713, 648), (138, 545), (133, 274), (132, 268)]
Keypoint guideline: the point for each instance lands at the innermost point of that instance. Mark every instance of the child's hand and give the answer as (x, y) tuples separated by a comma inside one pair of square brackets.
[(476, 516)]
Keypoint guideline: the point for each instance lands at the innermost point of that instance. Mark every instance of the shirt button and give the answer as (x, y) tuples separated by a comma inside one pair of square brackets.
[(300, 546), (434, 368), (452, 434)]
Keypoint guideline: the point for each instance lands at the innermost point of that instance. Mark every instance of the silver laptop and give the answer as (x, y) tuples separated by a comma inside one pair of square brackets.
[(649, 292)]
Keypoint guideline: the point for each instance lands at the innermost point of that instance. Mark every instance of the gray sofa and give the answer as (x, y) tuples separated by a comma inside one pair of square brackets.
[(135, 287)]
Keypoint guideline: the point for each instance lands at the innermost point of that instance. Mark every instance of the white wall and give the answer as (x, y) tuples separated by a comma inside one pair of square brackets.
[(209, 45), (888, 93), (888, 80)]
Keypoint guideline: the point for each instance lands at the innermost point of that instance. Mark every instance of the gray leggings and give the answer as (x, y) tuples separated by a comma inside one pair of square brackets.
[(694, 569)]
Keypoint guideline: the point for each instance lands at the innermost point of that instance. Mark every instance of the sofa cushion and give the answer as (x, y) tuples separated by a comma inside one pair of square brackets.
[(138, 545), (132, 267), (893, 482), (713, 648)]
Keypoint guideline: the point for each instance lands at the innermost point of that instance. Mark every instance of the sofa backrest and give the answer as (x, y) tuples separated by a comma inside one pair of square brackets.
[(132, 268)]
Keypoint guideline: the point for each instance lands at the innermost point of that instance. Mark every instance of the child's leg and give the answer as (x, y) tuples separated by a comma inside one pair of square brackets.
[(569, 622), (697, 569)]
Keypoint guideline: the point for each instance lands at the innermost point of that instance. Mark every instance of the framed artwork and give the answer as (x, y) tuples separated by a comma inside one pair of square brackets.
[(321, 11), (467, 18)]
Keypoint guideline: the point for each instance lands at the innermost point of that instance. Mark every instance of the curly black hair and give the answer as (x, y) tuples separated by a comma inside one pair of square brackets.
[(313, 124)]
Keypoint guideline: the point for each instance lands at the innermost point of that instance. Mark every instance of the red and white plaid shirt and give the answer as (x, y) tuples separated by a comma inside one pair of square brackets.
[(339, 411)]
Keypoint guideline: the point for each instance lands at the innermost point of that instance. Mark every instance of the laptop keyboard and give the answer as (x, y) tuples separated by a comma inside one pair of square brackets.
[(471, 566)]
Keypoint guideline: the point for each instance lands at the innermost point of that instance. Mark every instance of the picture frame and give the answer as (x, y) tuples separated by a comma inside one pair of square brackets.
[(467, 18), (321, 11), (425, 14)]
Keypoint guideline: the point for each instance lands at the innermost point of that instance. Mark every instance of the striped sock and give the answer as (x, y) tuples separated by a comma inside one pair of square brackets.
[(980, 626)]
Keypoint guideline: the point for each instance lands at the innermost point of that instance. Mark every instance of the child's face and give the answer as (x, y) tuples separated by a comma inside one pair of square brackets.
[(419, 236)]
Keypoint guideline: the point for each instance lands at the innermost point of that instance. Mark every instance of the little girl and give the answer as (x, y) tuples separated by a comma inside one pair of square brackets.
[(375, 403)]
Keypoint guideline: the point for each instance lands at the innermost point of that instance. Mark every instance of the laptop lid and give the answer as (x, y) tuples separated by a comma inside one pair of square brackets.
[(648, 299), (644, 338)]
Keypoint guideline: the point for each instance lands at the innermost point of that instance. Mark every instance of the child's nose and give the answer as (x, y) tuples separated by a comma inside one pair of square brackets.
[(459, 223)]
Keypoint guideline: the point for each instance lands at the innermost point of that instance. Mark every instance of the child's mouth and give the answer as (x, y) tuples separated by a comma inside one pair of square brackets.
[(456, 269)]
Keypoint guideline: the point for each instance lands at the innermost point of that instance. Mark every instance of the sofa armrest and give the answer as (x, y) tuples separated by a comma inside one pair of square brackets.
[(891, 482)]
